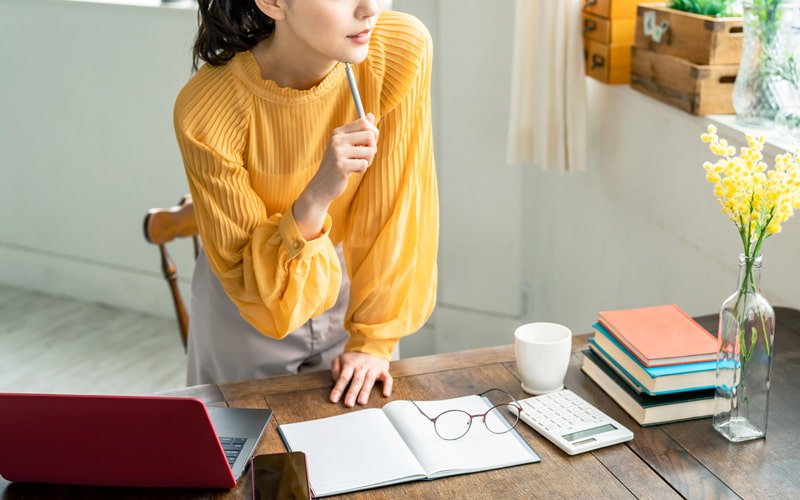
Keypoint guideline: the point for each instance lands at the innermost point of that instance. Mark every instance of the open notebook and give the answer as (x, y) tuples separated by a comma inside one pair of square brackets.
[(378, 447)]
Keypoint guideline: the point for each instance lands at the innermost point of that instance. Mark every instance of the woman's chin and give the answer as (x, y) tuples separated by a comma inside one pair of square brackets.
[(355, 56)]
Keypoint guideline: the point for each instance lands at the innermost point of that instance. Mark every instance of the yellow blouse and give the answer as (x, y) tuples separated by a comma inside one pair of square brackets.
[(250, 148)]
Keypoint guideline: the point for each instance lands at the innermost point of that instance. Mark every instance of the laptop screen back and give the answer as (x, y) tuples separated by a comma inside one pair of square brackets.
[(110, 441)]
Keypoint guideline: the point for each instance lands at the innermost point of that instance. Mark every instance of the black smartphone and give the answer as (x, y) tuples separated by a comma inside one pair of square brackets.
[(279, 476)]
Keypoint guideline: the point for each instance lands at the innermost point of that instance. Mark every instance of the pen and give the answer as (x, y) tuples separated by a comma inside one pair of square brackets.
[(354, 89)]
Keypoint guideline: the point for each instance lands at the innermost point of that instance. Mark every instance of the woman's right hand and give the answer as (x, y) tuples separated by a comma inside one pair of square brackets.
[(351, 148)]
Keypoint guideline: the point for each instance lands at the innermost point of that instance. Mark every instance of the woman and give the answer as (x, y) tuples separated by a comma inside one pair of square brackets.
[(288, 187)]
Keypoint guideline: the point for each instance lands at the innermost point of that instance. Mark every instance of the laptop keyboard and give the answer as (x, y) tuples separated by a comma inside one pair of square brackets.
[(232, 447)]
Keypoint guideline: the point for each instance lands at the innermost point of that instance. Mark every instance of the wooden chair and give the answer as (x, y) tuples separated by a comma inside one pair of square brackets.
[(161, 226)]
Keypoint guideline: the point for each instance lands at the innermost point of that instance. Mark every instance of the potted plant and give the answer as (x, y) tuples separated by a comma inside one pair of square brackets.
[(758, 200), (687, 54), (713, 8), (703, 32)]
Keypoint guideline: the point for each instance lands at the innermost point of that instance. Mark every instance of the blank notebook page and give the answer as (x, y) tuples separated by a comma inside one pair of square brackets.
[(479, 449), (352, 450)]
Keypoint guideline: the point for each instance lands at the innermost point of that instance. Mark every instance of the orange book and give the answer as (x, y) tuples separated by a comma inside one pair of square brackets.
[(661, 335)]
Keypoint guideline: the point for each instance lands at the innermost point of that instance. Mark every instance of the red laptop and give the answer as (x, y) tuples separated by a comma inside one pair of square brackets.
[(125, 440)]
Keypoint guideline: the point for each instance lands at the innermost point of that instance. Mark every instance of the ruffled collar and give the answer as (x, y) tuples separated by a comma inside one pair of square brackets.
[(245, 66)]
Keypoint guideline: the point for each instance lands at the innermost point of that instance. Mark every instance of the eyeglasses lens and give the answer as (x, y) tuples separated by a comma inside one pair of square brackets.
[(502, 418), (453, 424)]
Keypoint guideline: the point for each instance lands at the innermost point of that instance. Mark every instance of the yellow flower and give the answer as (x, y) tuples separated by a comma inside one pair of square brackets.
[(774, 228), (717, 149), (757, 199)]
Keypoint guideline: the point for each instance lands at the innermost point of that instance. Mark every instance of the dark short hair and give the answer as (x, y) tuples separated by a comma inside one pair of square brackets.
[(226, 27)]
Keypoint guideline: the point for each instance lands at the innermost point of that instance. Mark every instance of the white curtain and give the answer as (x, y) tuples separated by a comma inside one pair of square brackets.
[(548, 89)]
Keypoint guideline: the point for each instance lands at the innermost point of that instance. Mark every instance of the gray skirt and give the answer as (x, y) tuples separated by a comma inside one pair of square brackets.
[(223, 347)]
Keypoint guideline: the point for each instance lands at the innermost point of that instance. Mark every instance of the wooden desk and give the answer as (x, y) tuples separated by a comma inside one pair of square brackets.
[(683, 459)]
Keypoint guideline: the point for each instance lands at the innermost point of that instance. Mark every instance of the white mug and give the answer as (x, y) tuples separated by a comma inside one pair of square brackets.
[(542, 351)]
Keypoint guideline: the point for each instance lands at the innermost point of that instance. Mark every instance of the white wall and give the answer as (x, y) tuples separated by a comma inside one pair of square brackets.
[(480, 293), (641, 226), (86, 128), (86, 95)]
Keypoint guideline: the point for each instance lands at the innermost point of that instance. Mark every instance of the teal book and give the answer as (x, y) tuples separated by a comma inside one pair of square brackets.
[(655, 380), (644, 409)]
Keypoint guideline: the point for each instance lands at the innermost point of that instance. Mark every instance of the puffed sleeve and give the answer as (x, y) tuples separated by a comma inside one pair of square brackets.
[(276, 278), (392, 234)]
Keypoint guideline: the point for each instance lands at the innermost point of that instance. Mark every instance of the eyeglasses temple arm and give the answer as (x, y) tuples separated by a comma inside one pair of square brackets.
[(420, 410), (499, 390), (513, 399)]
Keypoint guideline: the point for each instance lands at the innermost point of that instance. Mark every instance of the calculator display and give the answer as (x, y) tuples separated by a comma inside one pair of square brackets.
[(588, 432)]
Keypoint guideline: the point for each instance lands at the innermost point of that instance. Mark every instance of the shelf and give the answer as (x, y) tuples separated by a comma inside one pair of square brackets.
[(777, 141)]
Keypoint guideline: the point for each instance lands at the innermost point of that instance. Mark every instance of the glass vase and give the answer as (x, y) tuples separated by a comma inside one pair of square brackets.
[(744, 359), (768, 80), (789, 118)]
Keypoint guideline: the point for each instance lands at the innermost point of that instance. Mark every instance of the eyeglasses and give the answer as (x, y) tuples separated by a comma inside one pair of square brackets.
[(454, 424)]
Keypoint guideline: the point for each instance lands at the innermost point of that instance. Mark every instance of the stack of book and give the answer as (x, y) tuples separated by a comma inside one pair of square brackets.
[(657, 363)]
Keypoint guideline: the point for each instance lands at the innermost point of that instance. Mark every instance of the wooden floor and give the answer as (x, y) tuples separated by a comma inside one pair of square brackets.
[(52, 344)]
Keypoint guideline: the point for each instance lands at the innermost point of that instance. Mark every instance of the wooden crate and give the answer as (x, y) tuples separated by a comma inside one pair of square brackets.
[(611, 9), (616, 32), (702, 40), (696, 89), (607, 63)]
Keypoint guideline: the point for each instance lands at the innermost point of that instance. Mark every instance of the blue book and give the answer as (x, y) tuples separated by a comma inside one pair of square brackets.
[(658, 380)]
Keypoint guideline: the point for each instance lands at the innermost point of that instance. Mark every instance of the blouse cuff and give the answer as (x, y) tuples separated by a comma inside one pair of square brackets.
[(294, 241), (381, 348)]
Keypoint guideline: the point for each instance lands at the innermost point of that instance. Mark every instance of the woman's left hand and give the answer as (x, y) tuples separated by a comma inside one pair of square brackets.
[(360, 371)]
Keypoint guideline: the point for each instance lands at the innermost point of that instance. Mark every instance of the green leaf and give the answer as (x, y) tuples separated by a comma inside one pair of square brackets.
[(713, 8)]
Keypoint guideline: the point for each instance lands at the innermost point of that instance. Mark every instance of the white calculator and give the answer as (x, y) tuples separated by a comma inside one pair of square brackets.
[(571, 423)]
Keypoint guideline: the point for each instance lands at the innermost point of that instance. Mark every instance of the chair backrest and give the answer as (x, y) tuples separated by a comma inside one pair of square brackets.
[(161, 226)]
